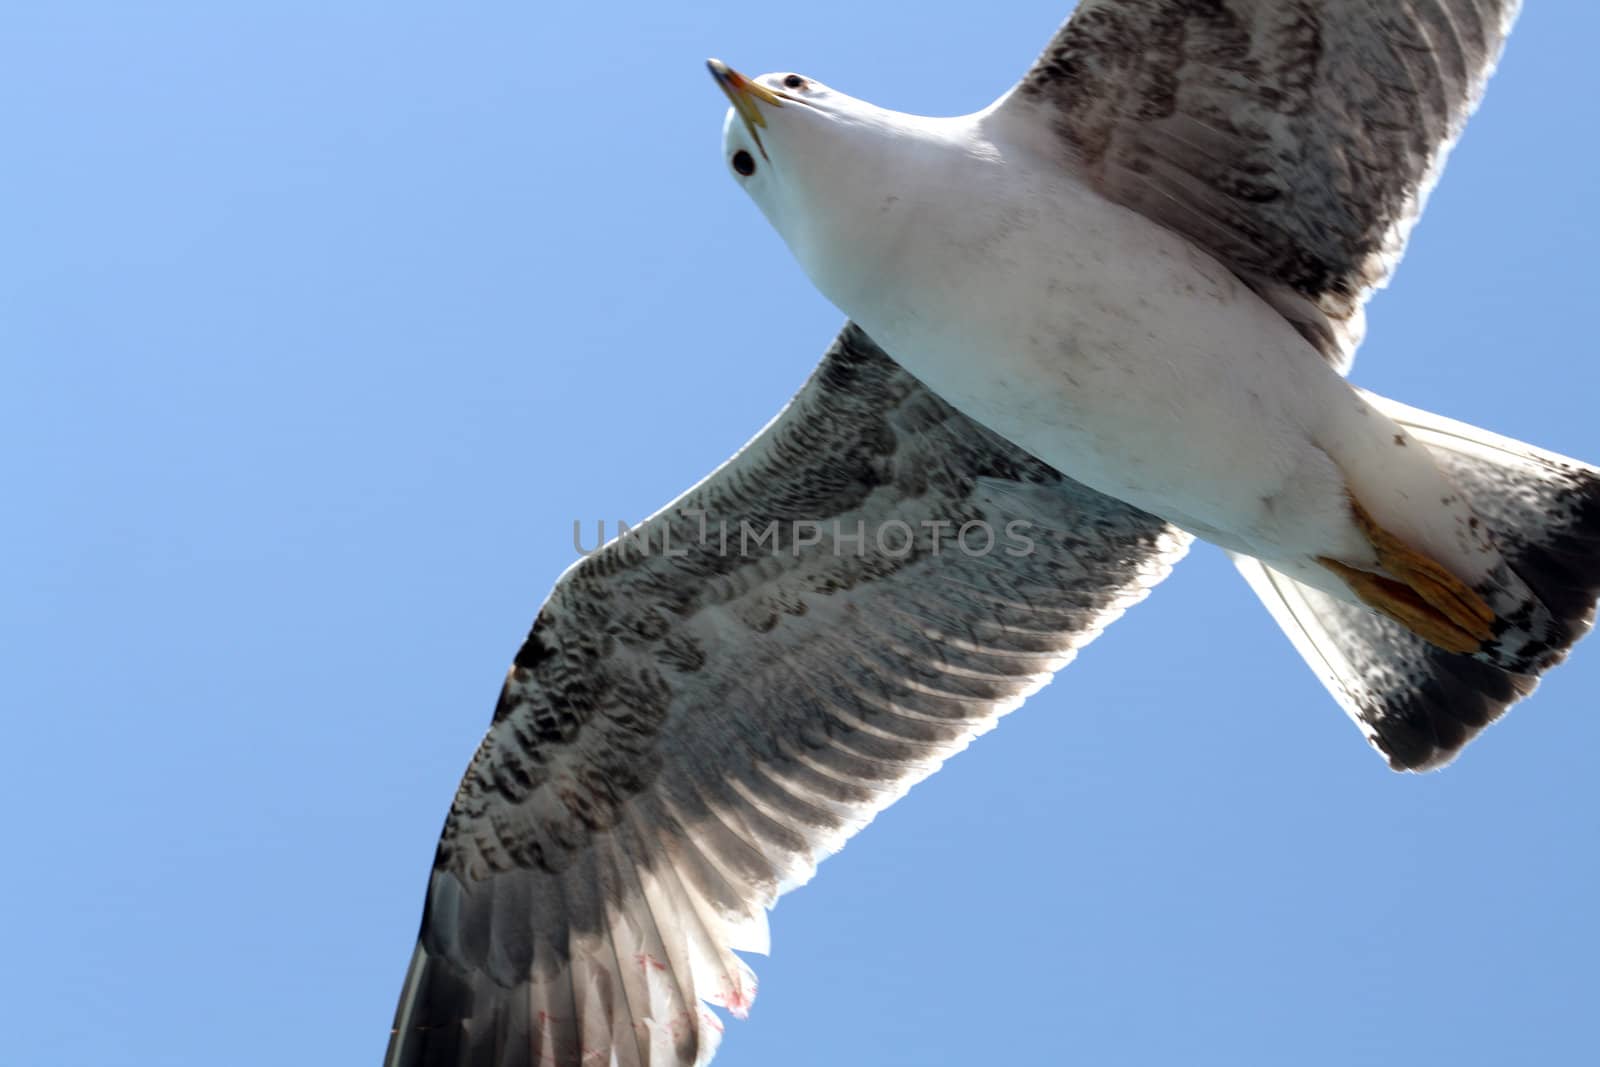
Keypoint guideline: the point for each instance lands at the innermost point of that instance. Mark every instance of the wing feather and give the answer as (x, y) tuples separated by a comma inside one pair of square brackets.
[(1295, 140), (688, 730)]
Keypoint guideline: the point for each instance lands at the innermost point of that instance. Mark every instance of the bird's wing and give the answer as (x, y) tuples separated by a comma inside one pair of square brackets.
[(698, 717), (1295, 140)]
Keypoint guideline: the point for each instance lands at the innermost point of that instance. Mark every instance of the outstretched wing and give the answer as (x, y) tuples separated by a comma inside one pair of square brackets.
[(707, 708), (1295, 140)]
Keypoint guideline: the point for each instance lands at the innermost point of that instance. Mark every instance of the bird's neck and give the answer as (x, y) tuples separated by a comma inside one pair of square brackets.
[(866, 207)]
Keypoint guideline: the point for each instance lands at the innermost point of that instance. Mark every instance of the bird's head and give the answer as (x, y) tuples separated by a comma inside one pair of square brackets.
[(815, 162), (779, 137)]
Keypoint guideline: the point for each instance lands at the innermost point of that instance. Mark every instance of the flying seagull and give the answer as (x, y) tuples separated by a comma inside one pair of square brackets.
[(1106, 314)]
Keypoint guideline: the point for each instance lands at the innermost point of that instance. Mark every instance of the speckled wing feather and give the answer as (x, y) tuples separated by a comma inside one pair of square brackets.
[(1295, 140), (696, 720)]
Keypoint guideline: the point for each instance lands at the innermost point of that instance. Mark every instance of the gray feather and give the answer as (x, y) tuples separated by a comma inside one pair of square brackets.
[(685, 735), (1294, 140)]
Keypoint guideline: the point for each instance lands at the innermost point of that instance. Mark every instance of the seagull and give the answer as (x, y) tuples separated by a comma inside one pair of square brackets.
[(1110, 313)]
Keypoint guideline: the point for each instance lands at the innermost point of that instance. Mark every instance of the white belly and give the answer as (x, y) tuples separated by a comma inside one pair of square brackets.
[(1107, 346)]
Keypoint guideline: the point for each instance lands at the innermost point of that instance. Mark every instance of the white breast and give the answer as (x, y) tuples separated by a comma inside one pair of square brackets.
[(1103, 343)]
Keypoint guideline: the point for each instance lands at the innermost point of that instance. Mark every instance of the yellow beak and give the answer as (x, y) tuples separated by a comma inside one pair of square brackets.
[(746, 97)]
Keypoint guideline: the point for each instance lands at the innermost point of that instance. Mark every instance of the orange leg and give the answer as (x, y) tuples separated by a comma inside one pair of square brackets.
[(1422, 595)]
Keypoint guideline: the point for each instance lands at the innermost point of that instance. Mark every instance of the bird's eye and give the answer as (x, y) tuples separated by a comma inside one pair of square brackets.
[(744, 163), (794, 81)]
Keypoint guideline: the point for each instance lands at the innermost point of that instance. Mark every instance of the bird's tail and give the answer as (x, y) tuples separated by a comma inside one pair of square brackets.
[(1418, 704)]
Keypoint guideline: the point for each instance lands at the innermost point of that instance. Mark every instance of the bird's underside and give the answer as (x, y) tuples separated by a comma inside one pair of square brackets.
[(876, 578)]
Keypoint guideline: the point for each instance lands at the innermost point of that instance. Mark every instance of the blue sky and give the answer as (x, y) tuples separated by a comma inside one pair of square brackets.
[(319, 324)]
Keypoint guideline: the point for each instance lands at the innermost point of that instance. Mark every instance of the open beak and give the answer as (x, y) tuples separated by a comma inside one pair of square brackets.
[(746, 97)]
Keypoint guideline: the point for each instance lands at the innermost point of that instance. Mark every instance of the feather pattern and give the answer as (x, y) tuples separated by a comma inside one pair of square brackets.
[(706, 708), (1416, 704), (1294, 140)]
